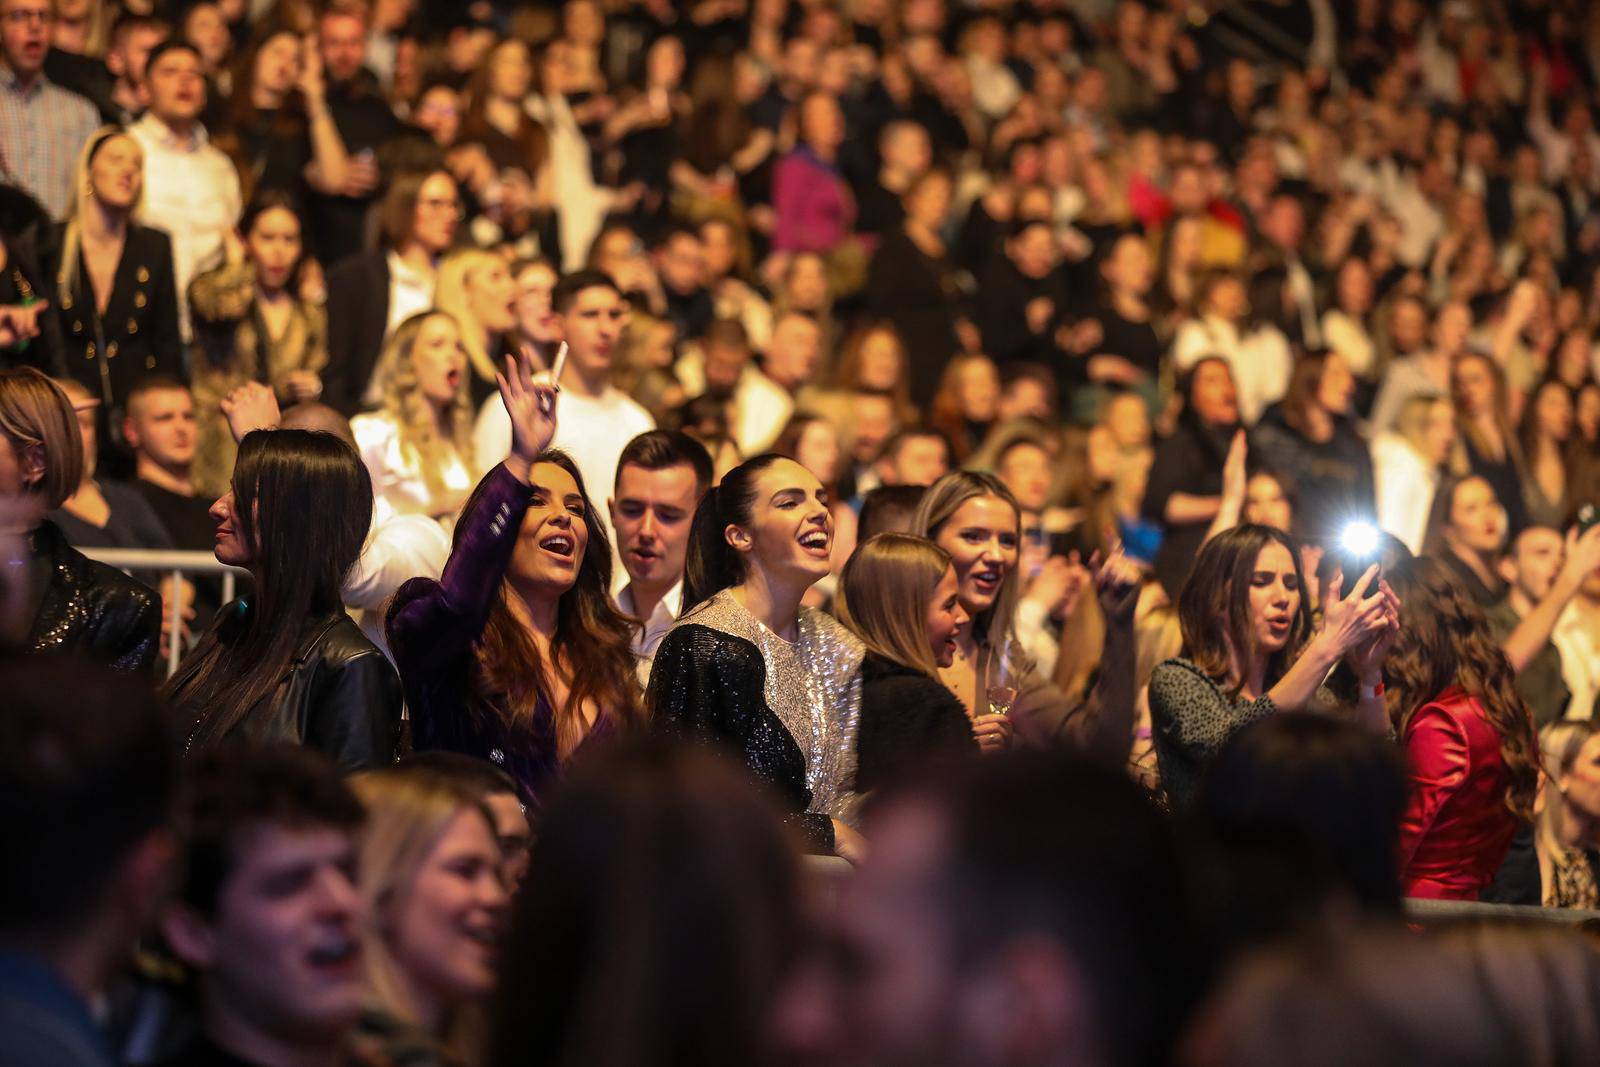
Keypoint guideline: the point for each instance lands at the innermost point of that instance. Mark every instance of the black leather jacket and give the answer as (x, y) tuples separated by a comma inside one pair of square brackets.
[(90, 608), (340, 695)]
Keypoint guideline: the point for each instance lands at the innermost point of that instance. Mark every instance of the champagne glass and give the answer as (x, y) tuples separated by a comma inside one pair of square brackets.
[(1005, 668)]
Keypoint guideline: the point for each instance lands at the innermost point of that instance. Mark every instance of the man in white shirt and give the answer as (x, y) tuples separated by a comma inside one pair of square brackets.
[(191, 188), (595, 420), (1577, 637), (660, 479), (766, 399)]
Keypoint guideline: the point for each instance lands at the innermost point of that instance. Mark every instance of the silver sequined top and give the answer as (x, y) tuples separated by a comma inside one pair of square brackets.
[(813, 686)]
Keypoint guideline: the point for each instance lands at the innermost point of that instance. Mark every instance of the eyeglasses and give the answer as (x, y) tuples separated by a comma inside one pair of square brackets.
[(22, 18)]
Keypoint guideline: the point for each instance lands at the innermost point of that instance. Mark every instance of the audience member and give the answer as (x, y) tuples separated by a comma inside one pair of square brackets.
[(89, 767), (191, 189), (1250, 649), (285, 662), (429, 873), (1408, 465), (266, 917), (747, 667), (1567, 815), (160, 430), (42, 125), (516, 654), (418, 446), (251, 323), (103, 514), (661, 478), (477, 290), (73, 603)]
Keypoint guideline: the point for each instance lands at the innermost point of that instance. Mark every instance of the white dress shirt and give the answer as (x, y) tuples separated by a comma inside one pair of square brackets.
[(396, 470), (1580, 662), (398, 548), (1404, 485), (647, 640), (191, 190)]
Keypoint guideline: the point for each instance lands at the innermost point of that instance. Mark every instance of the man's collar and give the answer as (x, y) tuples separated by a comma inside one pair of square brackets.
[(12, 81), (167, 137)]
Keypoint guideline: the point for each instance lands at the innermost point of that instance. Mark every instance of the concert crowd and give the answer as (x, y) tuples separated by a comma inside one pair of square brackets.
[(641, 533)]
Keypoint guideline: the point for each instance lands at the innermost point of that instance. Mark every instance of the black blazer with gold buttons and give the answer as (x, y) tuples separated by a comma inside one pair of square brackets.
[(138, 335)]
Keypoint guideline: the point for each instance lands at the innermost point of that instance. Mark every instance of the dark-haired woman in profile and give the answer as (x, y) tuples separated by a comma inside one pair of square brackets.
[(1249, 649), (516, 654), (286, 663), (749, 668), (1467, 734), (661, 924)]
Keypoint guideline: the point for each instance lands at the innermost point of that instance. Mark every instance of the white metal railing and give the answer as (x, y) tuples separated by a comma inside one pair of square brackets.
[(174, 565)]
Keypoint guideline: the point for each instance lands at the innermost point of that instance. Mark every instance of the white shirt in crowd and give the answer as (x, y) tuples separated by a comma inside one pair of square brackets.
[(1580, 663), (398, 548), (410, 292), (397, 478), (647, 640), (1404, 483), (191, 190), (1260, 360)]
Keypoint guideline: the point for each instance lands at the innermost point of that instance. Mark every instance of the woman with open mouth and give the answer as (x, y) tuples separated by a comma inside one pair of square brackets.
[(418, 445), (748, 667), (516, 654)]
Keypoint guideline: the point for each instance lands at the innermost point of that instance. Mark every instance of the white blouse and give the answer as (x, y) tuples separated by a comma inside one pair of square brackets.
[(397, 478)]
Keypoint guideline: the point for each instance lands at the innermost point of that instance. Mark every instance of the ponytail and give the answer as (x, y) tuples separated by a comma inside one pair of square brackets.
[(712, 564)]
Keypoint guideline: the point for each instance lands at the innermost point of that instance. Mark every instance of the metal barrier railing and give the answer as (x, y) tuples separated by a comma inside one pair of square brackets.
[(174, 565)]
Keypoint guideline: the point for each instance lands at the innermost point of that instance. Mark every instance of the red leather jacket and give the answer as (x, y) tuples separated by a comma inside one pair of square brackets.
[(1456, 827)]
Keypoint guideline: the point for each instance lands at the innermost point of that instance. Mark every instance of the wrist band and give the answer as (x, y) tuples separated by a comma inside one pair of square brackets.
[(1372, 692)]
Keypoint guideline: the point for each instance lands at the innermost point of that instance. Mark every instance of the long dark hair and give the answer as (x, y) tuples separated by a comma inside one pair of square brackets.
[(1214, 606), (303, 503), (593, 640), (1445, 642), (662, 921), (712, 564)]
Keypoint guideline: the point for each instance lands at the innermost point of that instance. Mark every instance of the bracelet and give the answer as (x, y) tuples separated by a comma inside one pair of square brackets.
[(1372, 692)]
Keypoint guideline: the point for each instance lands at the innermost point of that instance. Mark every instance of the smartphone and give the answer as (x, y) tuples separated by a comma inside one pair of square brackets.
[(1588, 518)]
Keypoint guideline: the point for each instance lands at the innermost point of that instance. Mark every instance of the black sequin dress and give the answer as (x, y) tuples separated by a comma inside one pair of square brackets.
[(789, 710)]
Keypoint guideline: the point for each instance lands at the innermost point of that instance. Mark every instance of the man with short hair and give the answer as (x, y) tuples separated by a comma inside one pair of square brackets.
[(905, 152), (680, 259), (43, 127), (160, 429), (191, 189), (766, 398), (1532, 569), (594, 419), (132, 39), (268, 917), (661, 477), (89, 773), (1025, 910), (914, 457)]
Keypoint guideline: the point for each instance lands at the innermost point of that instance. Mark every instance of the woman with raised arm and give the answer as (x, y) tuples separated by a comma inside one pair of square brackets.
[(747, 667), (1249, 649), (516, 654)]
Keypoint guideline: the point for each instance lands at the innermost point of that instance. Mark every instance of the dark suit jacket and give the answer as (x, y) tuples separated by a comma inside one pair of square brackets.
[(358, 315), (138, 334)]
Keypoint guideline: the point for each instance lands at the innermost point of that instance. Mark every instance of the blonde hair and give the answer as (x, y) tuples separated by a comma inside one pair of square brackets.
[(82, 195), (35, 413), (883, 597), (450, 295), (408, 811), (941, 501), (405, 404), (1559, 745)]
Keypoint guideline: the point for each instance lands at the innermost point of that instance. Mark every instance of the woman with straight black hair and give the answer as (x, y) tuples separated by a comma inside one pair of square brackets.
[(1250, 650), (517, 654), (285, 663), (747, 667)]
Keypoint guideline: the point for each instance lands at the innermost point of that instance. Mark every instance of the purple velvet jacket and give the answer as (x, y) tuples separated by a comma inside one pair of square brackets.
[(433, 626)]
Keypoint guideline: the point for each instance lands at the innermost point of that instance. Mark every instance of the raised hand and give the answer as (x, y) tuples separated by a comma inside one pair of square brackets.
[(252, 406), (1366, 659), (1117, 583), (1234, 471), (1348, 621), (530, 400)]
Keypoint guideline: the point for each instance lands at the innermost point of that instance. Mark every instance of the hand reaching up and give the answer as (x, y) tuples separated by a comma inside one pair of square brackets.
[(530, 400), (252, 406), (1350, 621), (1117, 583)]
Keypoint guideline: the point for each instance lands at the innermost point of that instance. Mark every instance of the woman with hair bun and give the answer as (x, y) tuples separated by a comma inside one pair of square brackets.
[(1468, 736), (747, 667)]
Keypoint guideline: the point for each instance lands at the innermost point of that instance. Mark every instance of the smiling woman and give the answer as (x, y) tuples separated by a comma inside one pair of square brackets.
[(747, 667), (516, 654)]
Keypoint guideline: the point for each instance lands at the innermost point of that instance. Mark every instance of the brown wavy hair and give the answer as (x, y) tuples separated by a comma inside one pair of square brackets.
[(1214, 606), (1444, 643), (593, 640)]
